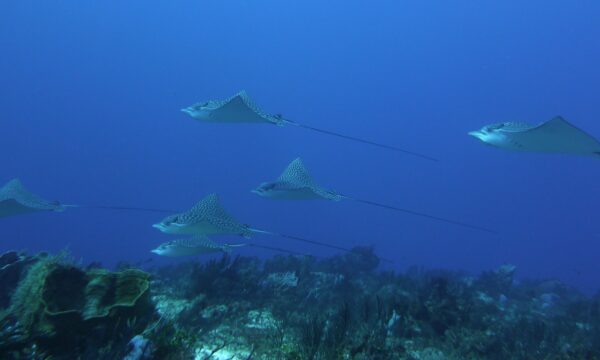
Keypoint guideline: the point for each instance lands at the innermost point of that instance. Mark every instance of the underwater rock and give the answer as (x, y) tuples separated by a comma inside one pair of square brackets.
[(222, 353), (547, 304), (502, 299), (140, 349), (427, 354), (261, 320), (506, 271), (214, 312), (227, 341), (484, 298), (281, 281), (171, 308), (320, 284), (548, 300), (499, 281)]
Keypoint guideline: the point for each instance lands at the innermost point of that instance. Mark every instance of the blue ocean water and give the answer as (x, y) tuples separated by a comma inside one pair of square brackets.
[(91, 93)]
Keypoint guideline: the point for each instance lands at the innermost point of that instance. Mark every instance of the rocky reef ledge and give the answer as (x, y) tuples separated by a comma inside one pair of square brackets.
[(286, 307)]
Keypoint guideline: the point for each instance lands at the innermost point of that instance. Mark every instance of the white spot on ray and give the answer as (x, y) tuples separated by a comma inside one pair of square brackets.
[(15, 199), (553, 136), (205, 218)]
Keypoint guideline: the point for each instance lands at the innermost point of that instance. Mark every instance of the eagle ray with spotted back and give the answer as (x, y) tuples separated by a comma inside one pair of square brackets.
[(554, 136), (296, 183), (15, 199), (208, 217), (196, 245), (240, 108)]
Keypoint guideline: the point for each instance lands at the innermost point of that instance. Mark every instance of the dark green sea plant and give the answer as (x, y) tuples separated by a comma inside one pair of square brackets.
[(26, 303), (95, 308), (171, 341), (312, 334), (324, 315), (227, 276), (22, 321), (62, 308), (358, 260), (13, 266), (301, 265)]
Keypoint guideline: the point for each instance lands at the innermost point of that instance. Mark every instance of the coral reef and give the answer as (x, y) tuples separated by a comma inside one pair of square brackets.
[(342, 308), (289, 307), (59, 310)]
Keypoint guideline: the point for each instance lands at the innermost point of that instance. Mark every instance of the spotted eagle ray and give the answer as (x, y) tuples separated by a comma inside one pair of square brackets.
[(15, 200), (208, 217), (553, 136), (240, 108), (201, 244), (296, 183), (196, 245)]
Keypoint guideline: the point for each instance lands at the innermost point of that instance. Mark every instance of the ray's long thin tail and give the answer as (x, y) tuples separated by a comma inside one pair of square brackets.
[(121, 208), (238, 245), (318, 243), (364, 141), (291, 237), (416, 213), (272, 248)]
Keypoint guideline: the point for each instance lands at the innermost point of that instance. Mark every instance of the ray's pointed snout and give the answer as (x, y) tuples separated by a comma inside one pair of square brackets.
[(263, 189), (476, 134)]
